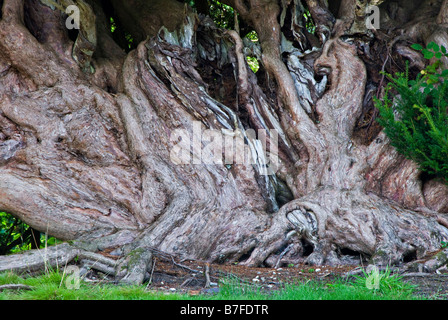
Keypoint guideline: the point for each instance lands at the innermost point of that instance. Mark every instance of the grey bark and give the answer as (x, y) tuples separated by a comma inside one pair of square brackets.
[(85, 143)]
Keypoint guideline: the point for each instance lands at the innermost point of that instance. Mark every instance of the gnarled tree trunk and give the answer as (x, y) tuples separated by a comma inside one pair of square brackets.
[(88, 130)]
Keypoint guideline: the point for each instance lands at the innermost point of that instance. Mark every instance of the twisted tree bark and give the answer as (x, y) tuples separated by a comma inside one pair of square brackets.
[(87, 133)]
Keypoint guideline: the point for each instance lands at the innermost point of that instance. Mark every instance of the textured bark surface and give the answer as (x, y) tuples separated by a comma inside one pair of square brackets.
[(86, 139)]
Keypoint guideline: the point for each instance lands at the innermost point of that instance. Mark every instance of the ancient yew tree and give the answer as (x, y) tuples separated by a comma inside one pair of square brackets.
[(87, 118)]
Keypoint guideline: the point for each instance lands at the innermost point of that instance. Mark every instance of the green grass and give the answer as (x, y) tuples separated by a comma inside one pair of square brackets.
[(392, 289), (53, 286)]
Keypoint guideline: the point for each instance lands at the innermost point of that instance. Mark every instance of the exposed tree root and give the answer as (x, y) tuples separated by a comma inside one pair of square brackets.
[(334, 220), (129, 265), (40, 259)]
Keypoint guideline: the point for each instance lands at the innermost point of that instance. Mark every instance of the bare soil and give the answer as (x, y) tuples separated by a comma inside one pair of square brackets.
[(434, 286), (197, 277), (166, 275)]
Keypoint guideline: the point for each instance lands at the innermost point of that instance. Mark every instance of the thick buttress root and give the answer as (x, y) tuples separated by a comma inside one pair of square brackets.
[(39, 259), (56, 258), (129, 264), (335, 221), (130, 269), (135, 266)]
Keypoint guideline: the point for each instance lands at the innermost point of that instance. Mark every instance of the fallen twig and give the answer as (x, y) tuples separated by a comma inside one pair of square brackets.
[(15, 287), (282, 254), (152, 271), (170, 256), (182, 266), (207, 276), (187, 282), (422, 274)]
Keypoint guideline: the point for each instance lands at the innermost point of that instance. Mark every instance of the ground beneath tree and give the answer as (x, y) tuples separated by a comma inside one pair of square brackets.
[(195, 277)]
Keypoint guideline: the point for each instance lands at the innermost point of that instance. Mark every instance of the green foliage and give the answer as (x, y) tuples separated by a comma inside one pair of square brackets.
[(253, 63), (309, 23), (222, 14), (11, 231), (415, 116), (113, 25), (52, 286), (127, 40), (384, 282), (16, 236)]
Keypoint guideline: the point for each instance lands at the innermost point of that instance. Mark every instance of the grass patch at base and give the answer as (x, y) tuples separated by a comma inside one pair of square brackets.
[(317, 290), (53, 285)]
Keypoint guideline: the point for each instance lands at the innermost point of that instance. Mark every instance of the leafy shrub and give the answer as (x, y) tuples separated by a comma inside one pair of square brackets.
[(384, 282), (16, 236), (414, 113)]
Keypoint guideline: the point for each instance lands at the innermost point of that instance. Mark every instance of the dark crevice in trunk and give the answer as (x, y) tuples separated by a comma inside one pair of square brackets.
[(246, 255), (349, 256), (410, 256), (349, 252), (125, 39), (308, 247), (333, 6), (221, 82), (73, 34), (425, 177), (30, 24)]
